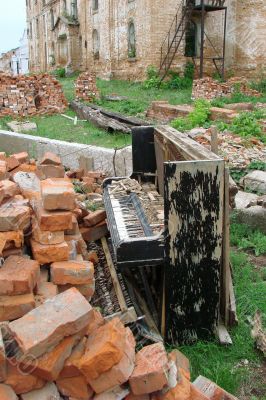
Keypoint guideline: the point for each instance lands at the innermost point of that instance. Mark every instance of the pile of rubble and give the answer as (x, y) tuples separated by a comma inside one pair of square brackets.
[(209, 89), (53, 343), (85, 87), (231, 147), (30, 95)]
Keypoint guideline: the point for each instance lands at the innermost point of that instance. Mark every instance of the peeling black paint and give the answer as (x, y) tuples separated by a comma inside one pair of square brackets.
[(189, 283)]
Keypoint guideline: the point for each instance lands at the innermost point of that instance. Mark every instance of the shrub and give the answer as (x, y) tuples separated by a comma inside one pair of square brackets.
[(59, 72), (153, 79)]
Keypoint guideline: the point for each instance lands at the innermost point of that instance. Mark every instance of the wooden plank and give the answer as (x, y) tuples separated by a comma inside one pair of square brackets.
[(160, 159), (233, 320), (187, 147), (117, 287), (226, 252), (214, 139), (223, 335), (194, 197)]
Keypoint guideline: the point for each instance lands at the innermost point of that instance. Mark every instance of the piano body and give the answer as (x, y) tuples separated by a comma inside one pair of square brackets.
[(170, 215)]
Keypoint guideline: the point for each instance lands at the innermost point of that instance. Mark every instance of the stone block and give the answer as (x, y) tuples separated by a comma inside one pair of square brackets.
[(7, 393), (48, 392), (57, 194), (28, 183), (18, 275), (245, 200), (46, 254), (254, 216), (13, 307), (43, 328), (94, 218), (255, 181), (17, 126), (73, 272), (151, 370), (20, 382)]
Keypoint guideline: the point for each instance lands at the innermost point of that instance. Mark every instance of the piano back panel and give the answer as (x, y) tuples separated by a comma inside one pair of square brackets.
[(194, 199), (143, 153)]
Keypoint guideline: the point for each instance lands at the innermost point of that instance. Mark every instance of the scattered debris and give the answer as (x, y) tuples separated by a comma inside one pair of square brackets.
[(258, 333)]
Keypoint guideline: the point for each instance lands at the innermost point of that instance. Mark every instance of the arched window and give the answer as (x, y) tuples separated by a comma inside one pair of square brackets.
[(96, 44), (131, 40), (52, 18), (95, 5), (191, 40)]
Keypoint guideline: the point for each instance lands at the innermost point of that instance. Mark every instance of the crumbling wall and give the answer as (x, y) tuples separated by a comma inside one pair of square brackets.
[(30, 95), (85, 87)]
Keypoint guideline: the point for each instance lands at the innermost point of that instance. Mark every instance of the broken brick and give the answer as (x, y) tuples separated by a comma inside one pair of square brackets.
[(43, 328), (22, 157), (196, 394), (86, 290), (3, 169), (45, 291), (57, 194), (29, 184), (46, 237), (14, 217), (14, 238), (12, 163), (180, 392), (119, 373), (97, 320), (18, 275), (91, 234), (48, 392), (151, 370), (7, 393), (73, 272), (8, 189), (181, 361), (50, 171), (75, 387), (21, 382), (94, 218), (50, 364), (211, 390), (50, 158), (3, 365), (70, 368), (52, 221), (13, 307), (46, 254)]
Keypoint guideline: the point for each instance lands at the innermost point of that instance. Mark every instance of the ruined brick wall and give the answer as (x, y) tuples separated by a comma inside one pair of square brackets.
[(72, 44)]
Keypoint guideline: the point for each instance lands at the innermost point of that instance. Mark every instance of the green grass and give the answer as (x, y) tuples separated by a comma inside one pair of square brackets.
[(244, 237), (60, 128), (224, 365)]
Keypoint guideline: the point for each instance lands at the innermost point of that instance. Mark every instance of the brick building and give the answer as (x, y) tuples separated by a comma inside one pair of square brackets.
[(121, 38)]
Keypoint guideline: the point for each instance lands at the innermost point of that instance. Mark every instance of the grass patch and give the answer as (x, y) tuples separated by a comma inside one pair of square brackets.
[(224, 365), (244, 237), (60, 128)]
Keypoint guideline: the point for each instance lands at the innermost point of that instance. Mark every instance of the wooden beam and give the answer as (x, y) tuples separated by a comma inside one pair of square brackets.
[(225, 294), (117, 287)]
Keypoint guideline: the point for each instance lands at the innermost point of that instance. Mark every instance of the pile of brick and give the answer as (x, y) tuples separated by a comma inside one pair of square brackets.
[(85, 87), (209, 89), (30, 95), (53, 343)]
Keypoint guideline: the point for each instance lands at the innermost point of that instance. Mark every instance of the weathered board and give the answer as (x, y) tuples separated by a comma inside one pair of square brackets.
[(194, 196)]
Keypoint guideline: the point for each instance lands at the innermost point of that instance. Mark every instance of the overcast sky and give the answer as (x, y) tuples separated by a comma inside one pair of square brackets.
[(12, 23)]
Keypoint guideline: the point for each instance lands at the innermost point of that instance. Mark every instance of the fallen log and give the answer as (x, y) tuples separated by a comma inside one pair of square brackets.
[(98, 119)]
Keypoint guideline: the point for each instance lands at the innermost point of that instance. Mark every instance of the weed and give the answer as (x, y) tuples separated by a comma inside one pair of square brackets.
[(246, 125), (259, 85), (244, 237), (198, 117)]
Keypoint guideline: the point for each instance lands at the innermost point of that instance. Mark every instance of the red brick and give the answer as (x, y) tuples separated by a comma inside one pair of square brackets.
[(86, 290), (97, 320), (151, 370), (43, 328), (12, 163), (181, 361), (73, 272), (70, 368), (22, 157), (13, 238), (46, 237), (211, 390), (29, 184), (57, 194), (45, 291), (196, 394), (18, 275), (50, 171), (14, 217), (94, 233), (46, 254), (8, 189), (94, 218), (180, 392)]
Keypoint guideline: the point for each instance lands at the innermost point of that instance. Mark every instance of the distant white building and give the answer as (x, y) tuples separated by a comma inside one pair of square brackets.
[(16, 61)]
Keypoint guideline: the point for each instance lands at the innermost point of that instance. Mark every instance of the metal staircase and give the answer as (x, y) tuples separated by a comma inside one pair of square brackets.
[(175, 35), (178, 28)]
